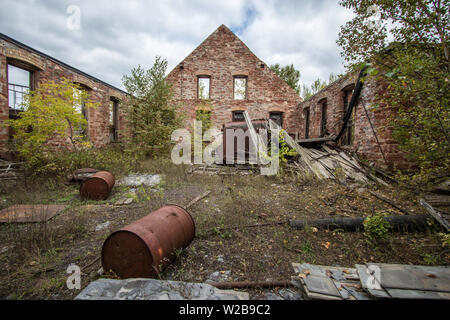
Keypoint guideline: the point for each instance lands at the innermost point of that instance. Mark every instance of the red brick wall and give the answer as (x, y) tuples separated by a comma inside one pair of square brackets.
[(222, 55), (98, 119), (364, 143)]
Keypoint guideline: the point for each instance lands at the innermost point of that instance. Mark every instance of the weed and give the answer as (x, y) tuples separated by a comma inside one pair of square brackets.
[(376, 228)]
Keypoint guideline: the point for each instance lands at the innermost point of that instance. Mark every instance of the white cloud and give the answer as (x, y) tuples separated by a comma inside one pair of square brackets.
[(116, 36)]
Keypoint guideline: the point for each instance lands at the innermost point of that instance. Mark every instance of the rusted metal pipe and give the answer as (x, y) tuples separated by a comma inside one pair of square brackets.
[(145, 247), (251, 284), (97, 187)]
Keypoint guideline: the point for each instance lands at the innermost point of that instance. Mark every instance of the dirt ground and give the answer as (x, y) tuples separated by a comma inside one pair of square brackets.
[(34, 257)]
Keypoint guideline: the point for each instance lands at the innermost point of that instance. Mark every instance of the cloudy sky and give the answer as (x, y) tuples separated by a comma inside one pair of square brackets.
[(114, 36)]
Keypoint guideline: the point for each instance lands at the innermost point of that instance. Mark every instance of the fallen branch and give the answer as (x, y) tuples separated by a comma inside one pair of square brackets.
[(249, 226), (196, 199), (392, 203), (90, 263)]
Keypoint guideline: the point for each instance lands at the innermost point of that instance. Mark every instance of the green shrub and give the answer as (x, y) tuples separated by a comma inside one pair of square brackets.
[(376, 227), (117, 160)]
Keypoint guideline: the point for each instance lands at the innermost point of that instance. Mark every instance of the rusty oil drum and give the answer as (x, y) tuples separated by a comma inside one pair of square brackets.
[(98, 186), (143, 248)]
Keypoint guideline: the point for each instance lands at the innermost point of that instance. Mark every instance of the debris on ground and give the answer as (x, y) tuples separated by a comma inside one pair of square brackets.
[(438, 207), (30, 213), (152, 289), (372, 281), (219, 276), (81, 175), (102, 226), (327, 164), (196, 199), (137, 250), (135, 180), (282, 294), (10, 170), (98, 186), (124, 201)]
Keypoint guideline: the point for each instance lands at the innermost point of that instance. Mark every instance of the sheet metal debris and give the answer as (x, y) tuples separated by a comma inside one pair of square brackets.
[(30, 213)]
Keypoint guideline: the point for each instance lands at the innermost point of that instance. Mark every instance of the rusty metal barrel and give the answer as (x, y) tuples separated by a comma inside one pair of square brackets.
[(145, 247), (98, 186)]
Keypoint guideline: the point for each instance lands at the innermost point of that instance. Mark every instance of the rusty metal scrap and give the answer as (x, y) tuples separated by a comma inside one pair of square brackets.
[(98, 186), (146, 246)]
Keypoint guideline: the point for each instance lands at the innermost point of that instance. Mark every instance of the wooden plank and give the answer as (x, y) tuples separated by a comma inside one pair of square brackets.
[(417, 294), (438, 200), (412, 277), (436, 215), (315, 140), (321, 285), (364, 278)]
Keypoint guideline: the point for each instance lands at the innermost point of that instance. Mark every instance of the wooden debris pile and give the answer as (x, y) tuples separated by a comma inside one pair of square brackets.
[(322, 164), (10, 171), (327, 164), (438, 206), (372, 281)]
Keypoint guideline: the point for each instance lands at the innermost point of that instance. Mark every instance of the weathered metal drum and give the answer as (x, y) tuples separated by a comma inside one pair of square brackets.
[(98, 186), (146, 246)]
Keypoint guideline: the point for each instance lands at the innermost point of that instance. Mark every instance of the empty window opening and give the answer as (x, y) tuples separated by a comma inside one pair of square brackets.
[(80, 107), (277, 117), (349, 134), (306, 113), (113, 120), (323, 122), (203, 84), (238, 116), (240, 87), (19, 82)]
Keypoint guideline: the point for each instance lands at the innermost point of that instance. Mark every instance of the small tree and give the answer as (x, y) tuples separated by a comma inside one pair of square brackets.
[(289, 74), (51, 112), (151, 113), (406, 43), (318, 85)]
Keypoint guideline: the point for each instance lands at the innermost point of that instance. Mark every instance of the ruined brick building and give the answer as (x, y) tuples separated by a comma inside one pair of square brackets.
[(23, 68), (367, 132), (220, 79), (223, 71)]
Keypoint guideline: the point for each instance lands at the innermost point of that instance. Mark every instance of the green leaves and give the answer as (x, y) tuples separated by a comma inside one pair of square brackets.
[(415, 68), (289, 74), (151, 113), (53, 111)]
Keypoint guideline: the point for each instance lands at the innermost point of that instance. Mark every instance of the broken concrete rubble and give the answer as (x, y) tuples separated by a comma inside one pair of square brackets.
[(152, 289), (136, 180)]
